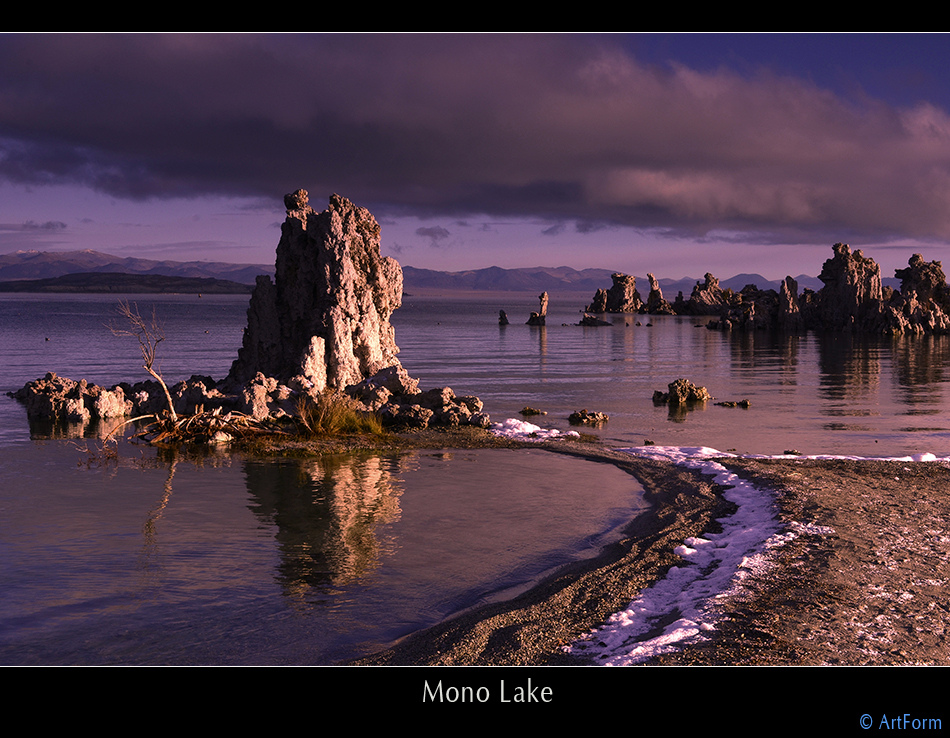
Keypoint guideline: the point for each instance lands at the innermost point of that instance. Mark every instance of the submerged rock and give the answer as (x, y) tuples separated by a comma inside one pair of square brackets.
[(593, 320), (681, 392), (587, 417)]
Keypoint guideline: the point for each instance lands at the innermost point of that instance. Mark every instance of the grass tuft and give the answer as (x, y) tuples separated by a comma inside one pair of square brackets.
[(333, 413)]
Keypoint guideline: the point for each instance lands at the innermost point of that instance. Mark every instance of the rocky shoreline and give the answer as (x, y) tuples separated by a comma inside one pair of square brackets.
[(869, 591)]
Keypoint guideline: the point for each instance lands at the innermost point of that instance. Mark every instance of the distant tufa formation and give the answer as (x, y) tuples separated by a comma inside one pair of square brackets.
[(852, 299), (321, 324)]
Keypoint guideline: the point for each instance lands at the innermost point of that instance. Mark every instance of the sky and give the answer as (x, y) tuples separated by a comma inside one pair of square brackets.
[(676, 154)]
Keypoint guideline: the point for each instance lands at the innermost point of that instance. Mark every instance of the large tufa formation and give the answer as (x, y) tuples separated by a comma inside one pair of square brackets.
[(923, 303), (324, 321), (852, 298), (622, 297)]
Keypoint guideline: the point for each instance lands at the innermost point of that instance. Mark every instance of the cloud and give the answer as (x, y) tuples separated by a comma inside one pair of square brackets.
[(561, 127), (436, 235), (49, 225)]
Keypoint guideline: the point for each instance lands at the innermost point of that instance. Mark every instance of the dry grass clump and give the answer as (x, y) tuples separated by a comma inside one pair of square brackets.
[(332, 413)]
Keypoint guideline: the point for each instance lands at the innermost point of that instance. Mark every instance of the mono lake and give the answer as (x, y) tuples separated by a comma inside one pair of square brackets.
[(220, 559)]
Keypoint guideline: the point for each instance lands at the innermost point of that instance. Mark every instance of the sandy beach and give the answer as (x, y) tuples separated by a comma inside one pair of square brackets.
[(868, 589)]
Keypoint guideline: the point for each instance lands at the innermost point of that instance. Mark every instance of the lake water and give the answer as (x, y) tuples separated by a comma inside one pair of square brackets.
[(169, 559)]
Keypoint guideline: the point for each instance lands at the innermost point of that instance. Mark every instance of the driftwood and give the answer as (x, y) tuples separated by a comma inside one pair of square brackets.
[(211, 426)]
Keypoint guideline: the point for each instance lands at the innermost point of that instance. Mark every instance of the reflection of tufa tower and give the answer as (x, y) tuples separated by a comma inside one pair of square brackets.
[(324, 320), (328, 513)]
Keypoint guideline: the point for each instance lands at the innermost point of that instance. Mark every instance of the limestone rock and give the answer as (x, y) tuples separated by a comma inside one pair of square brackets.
[(62, 399), (923, 303), (540, 317), (593, 320), (789, 313), (622, 297), (656, 304), (852, 297), (587, 417), (681, 392), (325, 317), (707, 298)]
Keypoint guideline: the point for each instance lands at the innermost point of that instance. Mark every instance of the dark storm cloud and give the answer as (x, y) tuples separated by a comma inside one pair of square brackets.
[(563, 127)]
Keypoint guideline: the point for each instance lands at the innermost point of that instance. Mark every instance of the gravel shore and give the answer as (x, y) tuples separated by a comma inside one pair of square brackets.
[(869, 589)]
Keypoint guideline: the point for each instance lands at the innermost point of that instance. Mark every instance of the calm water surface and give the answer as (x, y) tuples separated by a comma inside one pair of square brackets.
[(153, 558)]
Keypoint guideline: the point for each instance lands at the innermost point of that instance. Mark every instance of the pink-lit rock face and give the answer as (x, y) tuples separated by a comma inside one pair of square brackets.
[(324, 320)]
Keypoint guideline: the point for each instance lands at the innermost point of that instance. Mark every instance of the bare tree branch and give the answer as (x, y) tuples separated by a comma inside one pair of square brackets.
[(149, 334)]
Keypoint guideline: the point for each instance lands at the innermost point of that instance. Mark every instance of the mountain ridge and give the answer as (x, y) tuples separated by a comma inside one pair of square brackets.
[(45, 265)]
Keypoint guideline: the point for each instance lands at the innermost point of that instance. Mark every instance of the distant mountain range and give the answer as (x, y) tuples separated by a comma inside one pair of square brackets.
[(553, 279), (49, 264), (93, 271)]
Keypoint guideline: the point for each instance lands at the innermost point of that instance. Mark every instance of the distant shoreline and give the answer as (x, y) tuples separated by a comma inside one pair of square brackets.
[(107, 282)]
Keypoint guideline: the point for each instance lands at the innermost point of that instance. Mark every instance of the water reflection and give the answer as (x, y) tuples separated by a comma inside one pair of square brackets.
[(328, 515), (920, 368)]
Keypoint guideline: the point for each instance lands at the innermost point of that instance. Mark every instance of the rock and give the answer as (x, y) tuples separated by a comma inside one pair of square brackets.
[(852, 298), (265, 397), (587, 417), (681, 392), (410, 416), (599, 303), (322, 323), (325, 317), (735, 403), (590, 320), (707, 298), (927, 281), (110, 403), (656, 304), (190, 396), (622, 297), (62, 399), (789, 313), (923, 303), (539, 317), (502, 318), (531, 411)]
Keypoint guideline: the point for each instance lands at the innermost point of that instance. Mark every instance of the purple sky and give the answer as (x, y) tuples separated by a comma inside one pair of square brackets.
[(675, 154)]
